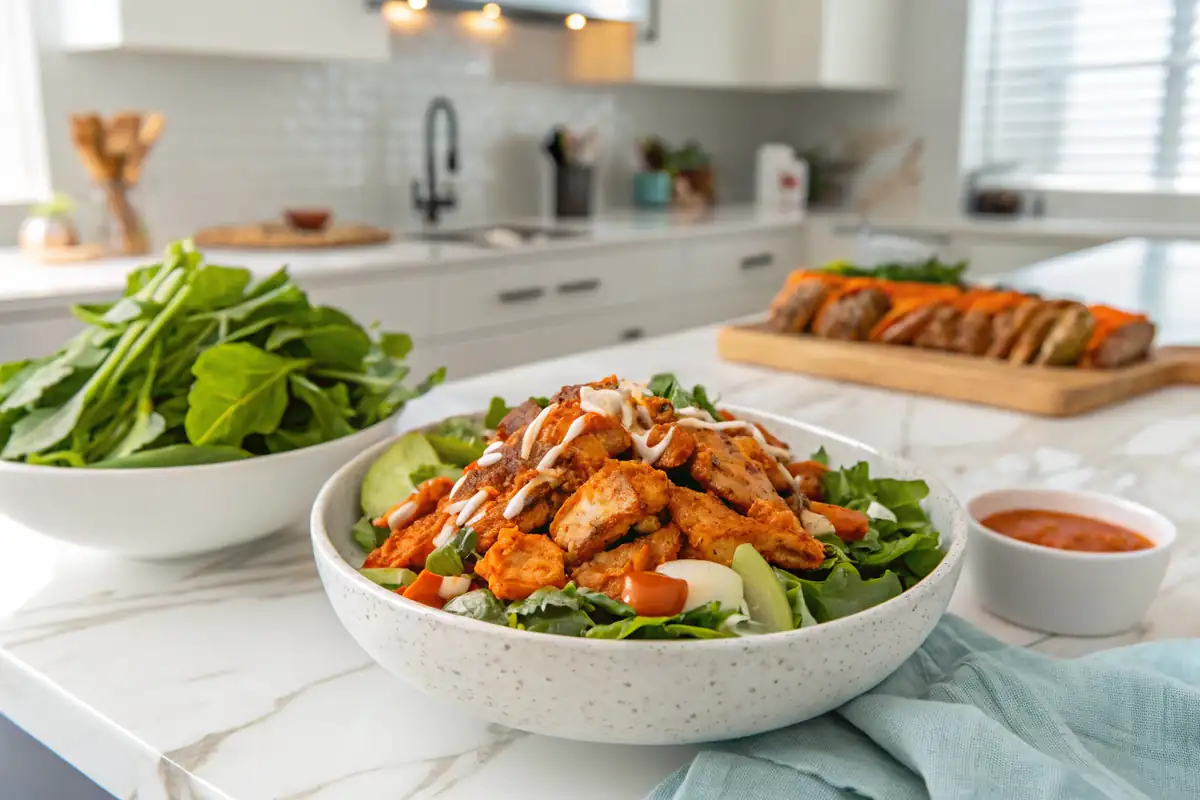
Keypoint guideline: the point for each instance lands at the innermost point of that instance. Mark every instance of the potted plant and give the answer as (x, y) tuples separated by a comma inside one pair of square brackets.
[(49, 226)]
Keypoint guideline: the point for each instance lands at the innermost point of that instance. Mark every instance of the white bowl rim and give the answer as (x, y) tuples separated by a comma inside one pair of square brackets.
[(1080, 556), (91, 471), (323, 548)]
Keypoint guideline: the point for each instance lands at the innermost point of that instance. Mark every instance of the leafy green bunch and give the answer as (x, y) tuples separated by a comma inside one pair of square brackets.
[(196, 364), (931, 271)]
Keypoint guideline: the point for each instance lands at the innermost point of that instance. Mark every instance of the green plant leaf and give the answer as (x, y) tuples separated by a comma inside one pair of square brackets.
[(330, 337), (429, 471), (496, 413), (844, 592), (479, 604), (239, 390), (329, 413), (216, 287), (178, 455), (396, 345), (368, 536)]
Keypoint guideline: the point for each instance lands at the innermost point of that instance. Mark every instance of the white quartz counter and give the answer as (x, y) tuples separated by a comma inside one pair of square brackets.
[(26, 283), (230, 677)]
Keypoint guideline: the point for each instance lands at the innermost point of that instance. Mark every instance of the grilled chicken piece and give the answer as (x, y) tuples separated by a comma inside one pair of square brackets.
[(540, 504), (906, 327), (721, 468), (659, 408), (605, 572), (1035, 333), (519, 564), (851, 317), (808, 475), (714, 531), (974, 334), (794, 307), (780, 479), (518, 418), (602, 438), (1008, 325), (942, 328), (607, 506), (569, 393), (678, 451), (1120, 346), (424, 500), (410, 546)]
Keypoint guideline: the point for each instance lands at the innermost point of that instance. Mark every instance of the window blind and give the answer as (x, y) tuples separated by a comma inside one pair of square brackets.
[(23, 169), (1102, 92)]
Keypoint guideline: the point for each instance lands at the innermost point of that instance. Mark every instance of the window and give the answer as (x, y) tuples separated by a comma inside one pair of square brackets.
[(23, 171), (1088, 93)]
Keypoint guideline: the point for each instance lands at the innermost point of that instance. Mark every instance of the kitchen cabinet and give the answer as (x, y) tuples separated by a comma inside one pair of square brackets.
[(752, 44), (286, 29)]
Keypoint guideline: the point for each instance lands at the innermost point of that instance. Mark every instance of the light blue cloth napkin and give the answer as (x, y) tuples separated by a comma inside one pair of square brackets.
[(970, 717)]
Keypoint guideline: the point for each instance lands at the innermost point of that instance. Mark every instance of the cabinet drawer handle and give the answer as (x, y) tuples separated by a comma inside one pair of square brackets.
[(521, 295), (759, 260), (579, 287), (632, 334)]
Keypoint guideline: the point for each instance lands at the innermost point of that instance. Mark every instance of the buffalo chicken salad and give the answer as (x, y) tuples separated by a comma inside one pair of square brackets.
[(621, 510)]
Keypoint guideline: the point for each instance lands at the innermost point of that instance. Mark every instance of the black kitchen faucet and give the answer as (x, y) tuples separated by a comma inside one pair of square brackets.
[(431, 203)]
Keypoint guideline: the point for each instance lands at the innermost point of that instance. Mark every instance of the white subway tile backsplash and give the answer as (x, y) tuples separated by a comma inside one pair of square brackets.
[(246, 138)]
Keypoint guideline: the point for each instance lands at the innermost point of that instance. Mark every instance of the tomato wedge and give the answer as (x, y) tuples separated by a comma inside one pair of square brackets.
[(653, 595)]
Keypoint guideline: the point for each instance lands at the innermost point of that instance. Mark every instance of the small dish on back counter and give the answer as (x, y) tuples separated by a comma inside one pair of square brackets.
[(1074, 563)]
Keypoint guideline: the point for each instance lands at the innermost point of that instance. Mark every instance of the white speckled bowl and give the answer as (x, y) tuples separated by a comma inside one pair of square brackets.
[(638, 692), (169, 512)]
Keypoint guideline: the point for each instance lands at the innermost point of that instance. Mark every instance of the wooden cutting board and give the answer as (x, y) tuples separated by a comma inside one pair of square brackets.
[(1051, 391), (277, 236)]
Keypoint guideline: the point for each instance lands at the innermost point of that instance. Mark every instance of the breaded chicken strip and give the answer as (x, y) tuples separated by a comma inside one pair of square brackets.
[(723, 469), (607, 506), (521, 563), (714, 531), (421, 502), (605, 572), (410, 546)]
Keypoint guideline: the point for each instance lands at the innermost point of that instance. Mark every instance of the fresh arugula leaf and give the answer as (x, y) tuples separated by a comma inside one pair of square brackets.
[(496, 413), (678, 631), (921, 562), (478, 604), (367, 536), (328, 407), (821, 457), (216, 287), (707, 616), (541, 402), (844, 592), (430, 471), (548, 597), (179, 455), (329, 336), (448, 559), (396, 345), (667, 385), (239, 390), (558, 621), (596, 601)]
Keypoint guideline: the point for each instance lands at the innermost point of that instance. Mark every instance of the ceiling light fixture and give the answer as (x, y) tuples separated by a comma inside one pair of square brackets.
[(491, 10), (417, 5), (576, 22)]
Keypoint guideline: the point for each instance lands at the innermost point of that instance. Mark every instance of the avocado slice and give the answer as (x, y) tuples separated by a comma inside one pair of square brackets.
[(387, 482), (767, 601)]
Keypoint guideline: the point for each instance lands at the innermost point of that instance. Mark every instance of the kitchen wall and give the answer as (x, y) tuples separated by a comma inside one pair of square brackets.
[(246, 138)]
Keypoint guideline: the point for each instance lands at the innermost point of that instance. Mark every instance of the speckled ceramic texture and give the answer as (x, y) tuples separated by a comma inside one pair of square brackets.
[(638, 692)]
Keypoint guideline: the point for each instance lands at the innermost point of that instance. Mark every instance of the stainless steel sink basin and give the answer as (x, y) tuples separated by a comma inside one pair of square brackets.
[(499, 236)]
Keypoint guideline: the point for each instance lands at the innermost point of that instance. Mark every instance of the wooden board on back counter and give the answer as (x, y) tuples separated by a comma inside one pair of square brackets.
[(1051, 391)]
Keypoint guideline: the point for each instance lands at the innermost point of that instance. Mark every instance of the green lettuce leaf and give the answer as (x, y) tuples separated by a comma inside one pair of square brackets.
[(844, 592), (479, 604)]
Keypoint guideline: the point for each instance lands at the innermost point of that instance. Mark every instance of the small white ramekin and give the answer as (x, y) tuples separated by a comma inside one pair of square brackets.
[(1064, 591)]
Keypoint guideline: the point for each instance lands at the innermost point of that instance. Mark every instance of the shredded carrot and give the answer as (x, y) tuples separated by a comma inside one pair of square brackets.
[(424, 589), (901, 308), (1108, 320), (849, 525)]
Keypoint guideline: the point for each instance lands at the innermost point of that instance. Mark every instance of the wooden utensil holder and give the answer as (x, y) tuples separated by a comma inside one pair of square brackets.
[(130, 234)]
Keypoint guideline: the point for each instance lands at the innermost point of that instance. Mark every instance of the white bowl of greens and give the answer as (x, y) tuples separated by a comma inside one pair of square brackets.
[(853, 623), (200, 410)]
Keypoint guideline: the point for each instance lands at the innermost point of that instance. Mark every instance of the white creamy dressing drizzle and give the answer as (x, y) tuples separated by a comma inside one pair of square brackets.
[(738, 424), (572, 434), (493, 447), (534, 428), (444, 536), (471, 506), (517, 504), (400, 517), (457, 484), (694, 413), (649, 454), (487, 459), (609, 402), (482, 513)]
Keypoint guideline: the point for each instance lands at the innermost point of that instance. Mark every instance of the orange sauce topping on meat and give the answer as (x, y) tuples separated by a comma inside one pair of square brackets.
[(1065, 531)]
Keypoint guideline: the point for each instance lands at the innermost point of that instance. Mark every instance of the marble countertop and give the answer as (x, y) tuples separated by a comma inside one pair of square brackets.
[(25, 283), (1032, 229), (229, 677)]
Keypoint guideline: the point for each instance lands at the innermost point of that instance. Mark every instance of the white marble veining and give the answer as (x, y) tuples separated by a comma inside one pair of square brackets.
[(26, 283), (229, 677)]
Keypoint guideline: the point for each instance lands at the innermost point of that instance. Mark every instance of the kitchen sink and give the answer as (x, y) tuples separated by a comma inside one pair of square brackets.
[(499, 236)]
